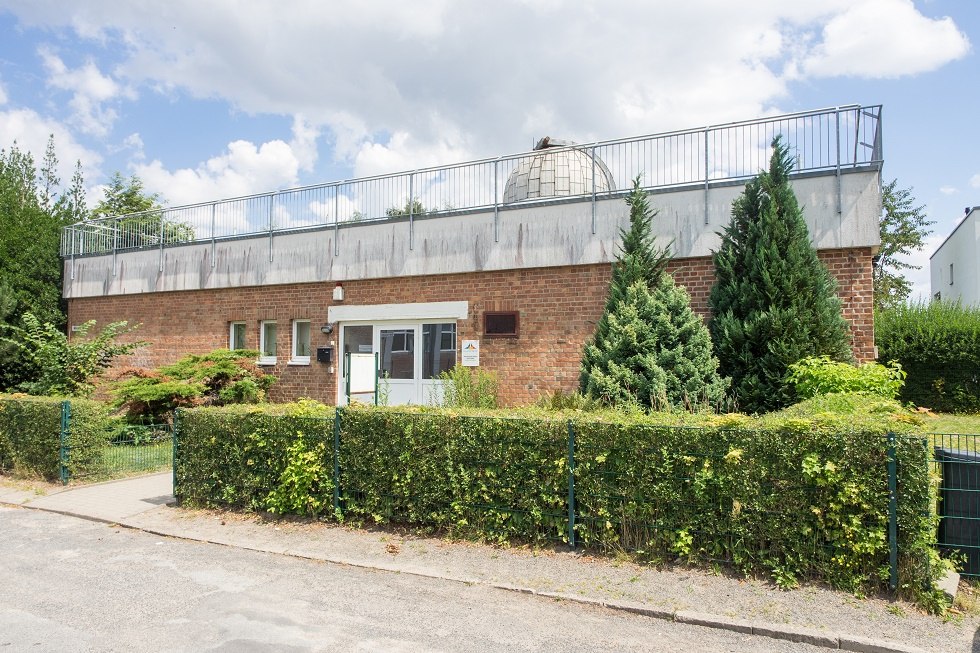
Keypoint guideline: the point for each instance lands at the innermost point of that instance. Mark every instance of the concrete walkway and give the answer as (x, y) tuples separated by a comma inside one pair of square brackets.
[(811, 614)]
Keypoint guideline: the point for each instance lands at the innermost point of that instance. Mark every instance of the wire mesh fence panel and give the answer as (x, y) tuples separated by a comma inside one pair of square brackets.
[(119, 451), (956, 463)]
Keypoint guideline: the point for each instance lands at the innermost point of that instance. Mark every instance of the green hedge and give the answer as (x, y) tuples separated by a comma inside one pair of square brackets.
[(938, 346), (796, 500), (30, 436), (269, 457)]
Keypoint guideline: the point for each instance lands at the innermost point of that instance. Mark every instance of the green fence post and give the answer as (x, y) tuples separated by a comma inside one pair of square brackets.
[(63, 441), (571, 484), (336, 459), (892, 513), (173, 461)]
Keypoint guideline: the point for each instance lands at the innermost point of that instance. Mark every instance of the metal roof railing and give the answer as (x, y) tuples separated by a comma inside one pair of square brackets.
[(832, 139)]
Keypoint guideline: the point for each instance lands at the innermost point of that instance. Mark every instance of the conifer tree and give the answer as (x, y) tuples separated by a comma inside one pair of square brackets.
[(773, 301), (649, 348)]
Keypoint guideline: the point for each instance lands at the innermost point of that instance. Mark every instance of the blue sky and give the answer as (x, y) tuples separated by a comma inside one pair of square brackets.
[(209, 100)]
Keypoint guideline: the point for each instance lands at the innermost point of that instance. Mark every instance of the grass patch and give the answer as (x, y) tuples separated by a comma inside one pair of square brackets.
[(949, 423)]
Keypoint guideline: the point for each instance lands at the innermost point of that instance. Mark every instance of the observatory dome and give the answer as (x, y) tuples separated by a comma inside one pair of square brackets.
[(556, 173)]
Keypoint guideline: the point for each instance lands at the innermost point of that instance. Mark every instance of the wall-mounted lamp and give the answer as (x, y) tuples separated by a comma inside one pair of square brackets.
[(338, 292), (327, 328)]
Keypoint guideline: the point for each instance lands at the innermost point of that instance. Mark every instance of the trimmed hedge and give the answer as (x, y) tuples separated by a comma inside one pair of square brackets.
[(938, 346), (799, 499), (30, 436), (256, 457)]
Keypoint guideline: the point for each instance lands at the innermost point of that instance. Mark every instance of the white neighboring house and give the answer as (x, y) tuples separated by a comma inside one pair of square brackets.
[(954, 268)]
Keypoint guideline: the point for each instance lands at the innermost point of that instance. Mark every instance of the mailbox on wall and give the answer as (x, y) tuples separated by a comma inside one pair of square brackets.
[(324, 354)]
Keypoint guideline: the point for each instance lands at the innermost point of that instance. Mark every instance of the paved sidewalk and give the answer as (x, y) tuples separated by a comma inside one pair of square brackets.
[(114, 501), (810, 614)]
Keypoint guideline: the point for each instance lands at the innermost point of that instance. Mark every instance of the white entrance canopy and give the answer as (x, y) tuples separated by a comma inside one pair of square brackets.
[(420, 311)]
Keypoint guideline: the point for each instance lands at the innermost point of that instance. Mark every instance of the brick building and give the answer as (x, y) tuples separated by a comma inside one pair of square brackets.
[(518, 259)]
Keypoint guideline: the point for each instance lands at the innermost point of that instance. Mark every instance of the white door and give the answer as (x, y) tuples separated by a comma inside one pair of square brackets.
[(398, 374)]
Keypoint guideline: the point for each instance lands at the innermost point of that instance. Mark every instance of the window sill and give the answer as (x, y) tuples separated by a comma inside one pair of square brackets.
[(266, 361), (299, 361)]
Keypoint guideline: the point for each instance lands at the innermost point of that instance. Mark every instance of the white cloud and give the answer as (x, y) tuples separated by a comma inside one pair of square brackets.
[(31, 132), (243, 169), (3, 94), (90, 89), (885, 38), (975, 180), (948, 190), (134, 142), (397, 84)]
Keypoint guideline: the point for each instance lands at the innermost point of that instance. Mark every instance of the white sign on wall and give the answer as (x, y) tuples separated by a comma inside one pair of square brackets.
[(471, 353)]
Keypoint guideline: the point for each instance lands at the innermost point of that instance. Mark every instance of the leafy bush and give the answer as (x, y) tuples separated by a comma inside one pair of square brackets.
[(30, 430), (938, 346), (275, 457), (465, 387), (819, 375), (798, 495), (214, 379), (63, 368)]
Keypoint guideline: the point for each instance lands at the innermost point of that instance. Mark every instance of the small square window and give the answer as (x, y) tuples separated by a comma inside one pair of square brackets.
[(501, 324), (267, 343), (301, 342), (236, 336)]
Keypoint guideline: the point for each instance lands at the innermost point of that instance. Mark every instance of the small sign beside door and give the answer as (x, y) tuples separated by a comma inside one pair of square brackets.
[(471, 353)]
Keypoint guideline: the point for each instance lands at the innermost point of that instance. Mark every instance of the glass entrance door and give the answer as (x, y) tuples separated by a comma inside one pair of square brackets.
[(411, 357), (398, 380)]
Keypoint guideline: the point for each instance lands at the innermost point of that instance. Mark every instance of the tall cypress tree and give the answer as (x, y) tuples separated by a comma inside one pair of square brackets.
[(773, 301), (649, 348)]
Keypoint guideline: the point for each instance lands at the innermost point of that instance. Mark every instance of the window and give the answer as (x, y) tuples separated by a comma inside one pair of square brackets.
[(301, 342), (397, 353), (501, 324), (236, 337), (438, 349), (951, 274), (267, 342)]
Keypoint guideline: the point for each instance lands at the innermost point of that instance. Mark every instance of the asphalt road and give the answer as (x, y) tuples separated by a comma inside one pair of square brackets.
[(68, 584)]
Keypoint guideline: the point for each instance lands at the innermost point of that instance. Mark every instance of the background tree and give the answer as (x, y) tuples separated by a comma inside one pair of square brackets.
[(903, 227), (773, 301), (650, 349), (31, 218), (144, 220)]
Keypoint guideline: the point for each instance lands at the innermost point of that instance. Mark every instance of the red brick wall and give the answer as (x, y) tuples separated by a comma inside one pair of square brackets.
[(558, 310)]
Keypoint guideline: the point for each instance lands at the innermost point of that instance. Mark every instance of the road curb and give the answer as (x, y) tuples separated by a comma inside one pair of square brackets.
[(840, 641)]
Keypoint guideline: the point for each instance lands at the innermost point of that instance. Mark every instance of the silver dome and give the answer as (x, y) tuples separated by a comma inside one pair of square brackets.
[(558, 173)]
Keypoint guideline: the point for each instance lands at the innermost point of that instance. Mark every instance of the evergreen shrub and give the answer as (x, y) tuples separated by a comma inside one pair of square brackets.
[(938, 346), (218, 378), (30, 436), (773, 302), (649, 348)]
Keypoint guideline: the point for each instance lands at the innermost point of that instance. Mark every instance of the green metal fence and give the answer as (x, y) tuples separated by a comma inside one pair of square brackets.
[(955, 462), (119, 450), (586, 484)]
